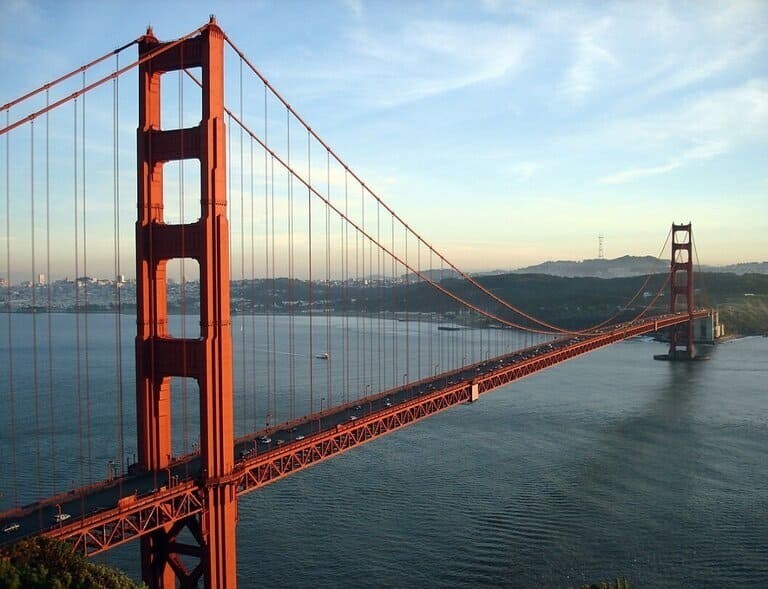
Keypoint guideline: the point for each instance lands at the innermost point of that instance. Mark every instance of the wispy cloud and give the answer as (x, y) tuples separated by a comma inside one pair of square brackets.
[(427, 58), (652, 49), (700, 152), (687, 73), (590, 58), (699, 130)]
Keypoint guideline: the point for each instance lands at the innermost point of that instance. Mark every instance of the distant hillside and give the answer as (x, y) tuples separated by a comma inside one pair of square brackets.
[(436, 275), (745, 268), (628, 266)]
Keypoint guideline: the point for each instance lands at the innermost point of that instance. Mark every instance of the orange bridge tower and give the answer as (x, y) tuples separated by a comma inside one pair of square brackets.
[(681, 292), (159, 355)]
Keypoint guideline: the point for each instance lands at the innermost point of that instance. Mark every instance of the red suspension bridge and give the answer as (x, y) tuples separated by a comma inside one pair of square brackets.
[(344, 328)]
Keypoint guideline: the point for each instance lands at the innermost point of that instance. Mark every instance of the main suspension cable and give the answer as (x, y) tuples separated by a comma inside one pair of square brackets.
[(550, 327), (85, 89), (83, 68)]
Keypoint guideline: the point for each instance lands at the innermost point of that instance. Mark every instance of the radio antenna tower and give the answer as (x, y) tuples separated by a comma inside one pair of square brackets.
[(600, 252)]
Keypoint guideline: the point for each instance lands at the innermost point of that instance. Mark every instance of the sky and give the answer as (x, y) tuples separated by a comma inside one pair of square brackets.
[(505, 133)]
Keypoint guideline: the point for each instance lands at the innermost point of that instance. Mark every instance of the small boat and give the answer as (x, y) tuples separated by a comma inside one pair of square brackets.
[(322, 356)]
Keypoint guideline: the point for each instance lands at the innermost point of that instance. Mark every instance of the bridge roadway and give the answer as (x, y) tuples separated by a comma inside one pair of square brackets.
[(100, 518)]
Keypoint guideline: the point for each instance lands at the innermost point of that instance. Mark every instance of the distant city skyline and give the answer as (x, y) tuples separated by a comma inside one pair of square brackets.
[(505, 134)]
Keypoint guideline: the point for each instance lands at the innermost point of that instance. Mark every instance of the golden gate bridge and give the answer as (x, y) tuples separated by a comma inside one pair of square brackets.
[(331, 345)]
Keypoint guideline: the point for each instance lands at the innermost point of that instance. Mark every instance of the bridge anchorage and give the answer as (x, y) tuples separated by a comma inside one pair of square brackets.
[(183, 509)]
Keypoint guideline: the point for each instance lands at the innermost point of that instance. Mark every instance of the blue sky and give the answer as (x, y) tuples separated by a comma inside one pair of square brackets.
[(505, 133)]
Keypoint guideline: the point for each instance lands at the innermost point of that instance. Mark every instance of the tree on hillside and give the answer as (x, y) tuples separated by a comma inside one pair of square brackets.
[(42, 563)]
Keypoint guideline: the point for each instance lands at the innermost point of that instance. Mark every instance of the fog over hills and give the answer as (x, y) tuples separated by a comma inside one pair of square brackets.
[(623, 267)]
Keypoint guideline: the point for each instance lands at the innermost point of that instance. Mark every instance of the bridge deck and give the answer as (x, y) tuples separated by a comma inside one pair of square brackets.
[(101, 519)]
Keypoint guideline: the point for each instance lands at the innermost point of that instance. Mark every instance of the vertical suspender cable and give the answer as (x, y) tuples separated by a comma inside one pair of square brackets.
[(291, 278), (269, 283), (393, 302), (356, 311), (273, 383), (244, 383), (328, 389), (51, 412), (407, 373), (444, 363), (253, 289), (369, 299), (309, 283), (117, 272), (35, 381), (345, 333), (11, 403), (85, 313), (77, 302), (380, 271), (363, 290), (419, 307), (432, 368), (345, 278)]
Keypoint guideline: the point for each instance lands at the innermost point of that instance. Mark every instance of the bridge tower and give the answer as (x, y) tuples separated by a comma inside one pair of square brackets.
[(681, 291), (159, 355)]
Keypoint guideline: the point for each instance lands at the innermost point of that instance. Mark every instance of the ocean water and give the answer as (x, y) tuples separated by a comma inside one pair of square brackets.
[(608, 465)]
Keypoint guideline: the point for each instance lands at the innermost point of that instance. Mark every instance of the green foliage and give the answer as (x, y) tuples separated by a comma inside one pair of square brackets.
[(42, 563), (748, 316)]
